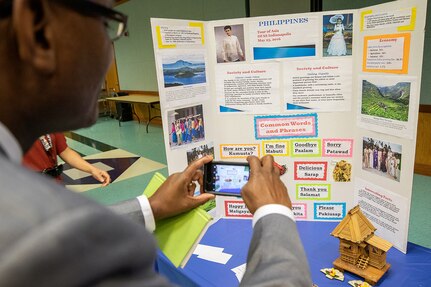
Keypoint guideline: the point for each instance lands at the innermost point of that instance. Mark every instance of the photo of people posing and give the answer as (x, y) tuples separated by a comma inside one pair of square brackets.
[(200, 151), (337, 35), (186, 126), (382, 158)]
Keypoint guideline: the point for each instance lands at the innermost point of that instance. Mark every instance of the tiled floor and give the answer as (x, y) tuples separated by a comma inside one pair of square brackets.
[(138, 155), (107, 140)]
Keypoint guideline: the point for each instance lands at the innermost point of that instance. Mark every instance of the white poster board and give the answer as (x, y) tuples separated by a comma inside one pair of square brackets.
[(332, 95)]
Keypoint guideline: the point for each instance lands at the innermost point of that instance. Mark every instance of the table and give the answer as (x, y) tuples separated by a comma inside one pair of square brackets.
[(234, 235), (149, 100)]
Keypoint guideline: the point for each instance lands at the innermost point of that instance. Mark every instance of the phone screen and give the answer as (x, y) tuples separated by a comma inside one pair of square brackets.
[(226, 178)]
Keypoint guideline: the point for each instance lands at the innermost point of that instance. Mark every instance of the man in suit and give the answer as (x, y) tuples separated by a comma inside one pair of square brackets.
[(53, 57)]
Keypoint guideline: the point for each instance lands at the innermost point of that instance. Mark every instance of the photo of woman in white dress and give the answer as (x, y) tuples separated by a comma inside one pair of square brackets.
[(337, 35), (337, 45)]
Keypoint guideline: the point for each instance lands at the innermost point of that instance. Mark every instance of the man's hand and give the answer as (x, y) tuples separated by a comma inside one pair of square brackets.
[(264, 185), (175, 196)]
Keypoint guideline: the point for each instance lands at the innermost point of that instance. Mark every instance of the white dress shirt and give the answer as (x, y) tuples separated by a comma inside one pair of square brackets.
[(272, 209), (231, 49)]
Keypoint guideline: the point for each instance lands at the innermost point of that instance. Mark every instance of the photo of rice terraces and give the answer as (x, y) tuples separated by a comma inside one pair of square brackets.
[(390, 101)]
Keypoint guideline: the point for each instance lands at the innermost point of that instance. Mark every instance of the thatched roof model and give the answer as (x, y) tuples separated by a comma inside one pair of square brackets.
[(355, 227)]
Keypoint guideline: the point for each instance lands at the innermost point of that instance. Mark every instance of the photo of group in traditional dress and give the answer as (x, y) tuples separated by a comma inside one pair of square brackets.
[(200, 151), (382, 158), (186, 126), (337, 35)]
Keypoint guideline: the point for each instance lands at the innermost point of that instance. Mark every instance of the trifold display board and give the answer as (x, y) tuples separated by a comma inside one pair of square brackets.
[(334, 96)]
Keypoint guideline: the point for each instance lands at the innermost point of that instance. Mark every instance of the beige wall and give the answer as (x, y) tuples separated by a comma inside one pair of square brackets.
[(423, 142)]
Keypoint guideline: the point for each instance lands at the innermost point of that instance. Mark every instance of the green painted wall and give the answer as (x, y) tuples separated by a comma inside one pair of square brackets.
[(135, 55), (349, 4), (278, 7)]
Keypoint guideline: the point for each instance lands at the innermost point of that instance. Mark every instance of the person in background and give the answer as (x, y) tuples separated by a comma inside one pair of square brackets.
[(42, 157), (201, 128), (174, 134), (183, 134), (55, 54), (179, 134), (190, 133)]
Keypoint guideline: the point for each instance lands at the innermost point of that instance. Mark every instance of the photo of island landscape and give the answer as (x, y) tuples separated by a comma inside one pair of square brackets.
[(182, 70), (386, 100)]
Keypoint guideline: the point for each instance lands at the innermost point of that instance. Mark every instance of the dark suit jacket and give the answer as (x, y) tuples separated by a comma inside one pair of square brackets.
[(50, 236), (276, 256)]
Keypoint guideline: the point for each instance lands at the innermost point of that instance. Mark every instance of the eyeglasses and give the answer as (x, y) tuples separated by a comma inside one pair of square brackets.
[(115, 22)]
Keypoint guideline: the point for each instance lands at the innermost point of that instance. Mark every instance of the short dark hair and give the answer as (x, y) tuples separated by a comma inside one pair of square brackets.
[(227, 27)]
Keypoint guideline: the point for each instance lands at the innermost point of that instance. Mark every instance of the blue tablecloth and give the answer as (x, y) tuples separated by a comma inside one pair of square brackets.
[(234, 235)]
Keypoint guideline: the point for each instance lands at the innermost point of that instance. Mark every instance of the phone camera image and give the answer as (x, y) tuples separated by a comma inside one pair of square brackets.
[(226, 178)]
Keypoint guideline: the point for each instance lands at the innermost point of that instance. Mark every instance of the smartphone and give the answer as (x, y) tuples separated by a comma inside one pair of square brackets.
[(225, 178)]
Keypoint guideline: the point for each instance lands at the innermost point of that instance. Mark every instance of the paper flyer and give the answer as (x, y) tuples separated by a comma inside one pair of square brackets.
[(388, 104), (386, 210), (322, 85), (284, 37), (387, 53), (404, 19), (250, 89)]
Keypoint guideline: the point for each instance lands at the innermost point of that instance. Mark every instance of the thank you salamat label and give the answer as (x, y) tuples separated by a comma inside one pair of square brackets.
[(329, 211), (313, 191)]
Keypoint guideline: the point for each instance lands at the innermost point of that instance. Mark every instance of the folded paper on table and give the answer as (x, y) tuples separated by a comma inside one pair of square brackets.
[(177, 236)]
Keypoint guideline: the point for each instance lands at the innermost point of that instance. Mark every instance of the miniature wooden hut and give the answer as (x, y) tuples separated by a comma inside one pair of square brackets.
[(361, 252)]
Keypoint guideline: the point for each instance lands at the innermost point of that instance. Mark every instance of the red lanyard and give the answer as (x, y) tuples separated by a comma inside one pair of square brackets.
[(46, 142)]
